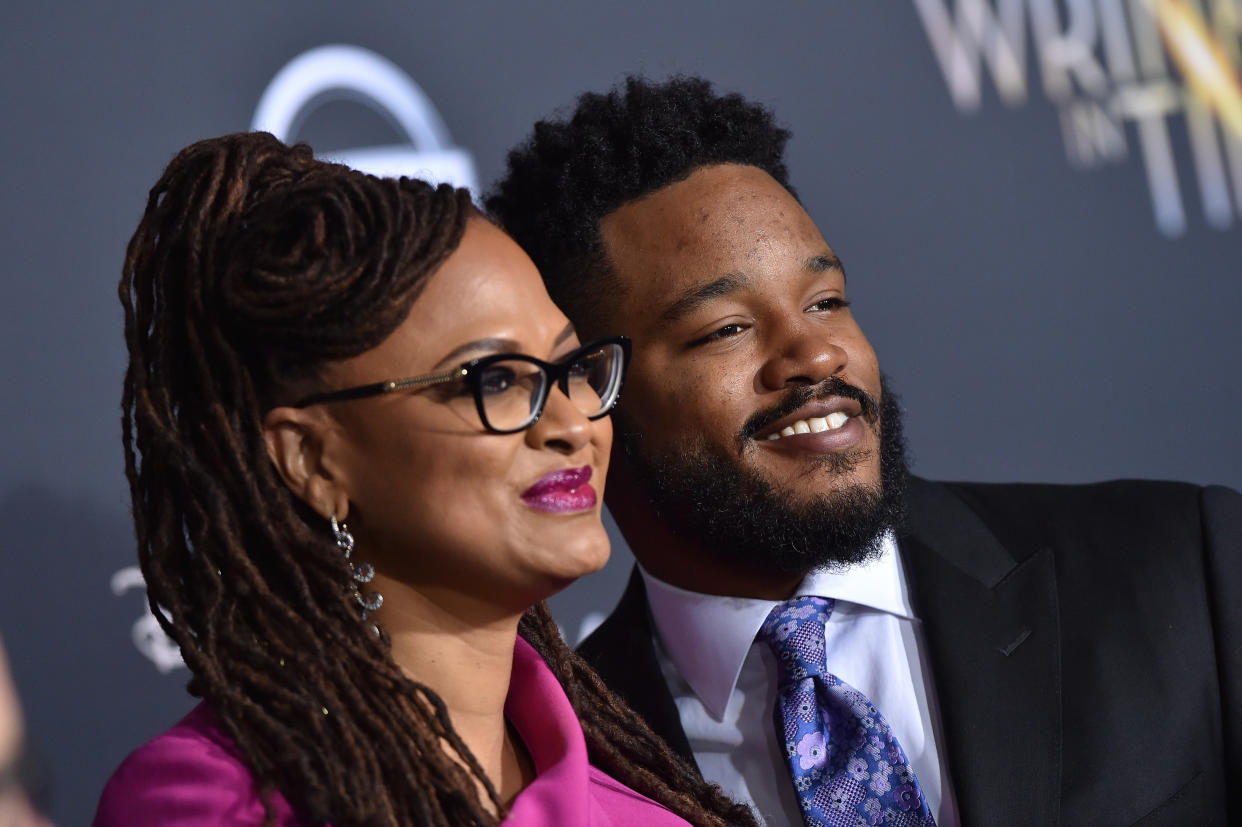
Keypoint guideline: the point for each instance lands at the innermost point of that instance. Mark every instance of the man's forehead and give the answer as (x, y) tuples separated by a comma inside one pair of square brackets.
[(698, 204), (709, 226)]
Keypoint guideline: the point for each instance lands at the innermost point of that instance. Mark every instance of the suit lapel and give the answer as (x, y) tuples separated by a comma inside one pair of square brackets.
[(623, 653), (990, 623)]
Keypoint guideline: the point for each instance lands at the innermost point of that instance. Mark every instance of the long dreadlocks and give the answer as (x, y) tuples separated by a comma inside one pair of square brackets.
[(255, 265)]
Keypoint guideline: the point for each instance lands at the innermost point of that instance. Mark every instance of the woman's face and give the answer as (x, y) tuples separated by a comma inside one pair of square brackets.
[(437, 501)]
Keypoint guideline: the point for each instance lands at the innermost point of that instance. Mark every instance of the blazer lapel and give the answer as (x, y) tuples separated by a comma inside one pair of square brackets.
[(990, 623)]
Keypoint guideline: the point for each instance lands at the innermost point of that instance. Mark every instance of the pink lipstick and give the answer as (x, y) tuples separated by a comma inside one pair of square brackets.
[(562, 491)]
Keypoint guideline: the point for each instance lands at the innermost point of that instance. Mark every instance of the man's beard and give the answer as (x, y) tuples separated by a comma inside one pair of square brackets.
[(710, 498)]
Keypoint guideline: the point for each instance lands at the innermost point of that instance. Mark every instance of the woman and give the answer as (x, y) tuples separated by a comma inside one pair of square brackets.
[(346, 498)]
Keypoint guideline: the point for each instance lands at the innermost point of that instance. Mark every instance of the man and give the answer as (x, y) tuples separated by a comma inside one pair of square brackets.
[(998, 654)]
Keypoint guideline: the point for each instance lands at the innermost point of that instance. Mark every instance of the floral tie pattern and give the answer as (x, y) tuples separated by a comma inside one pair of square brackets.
[(847, 765)]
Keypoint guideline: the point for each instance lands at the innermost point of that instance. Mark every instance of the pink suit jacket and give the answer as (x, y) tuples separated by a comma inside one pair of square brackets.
[(193, 774)]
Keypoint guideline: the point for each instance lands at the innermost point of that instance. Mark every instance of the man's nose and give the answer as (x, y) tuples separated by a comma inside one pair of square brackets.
[(800, 353)]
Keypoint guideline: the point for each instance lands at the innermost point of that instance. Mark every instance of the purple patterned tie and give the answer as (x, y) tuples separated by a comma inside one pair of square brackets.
[(847, 765)]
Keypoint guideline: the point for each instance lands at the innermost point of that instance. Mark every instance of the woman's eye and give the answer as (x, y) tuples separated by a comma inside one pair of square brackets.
[(833, 303), (497, 380)]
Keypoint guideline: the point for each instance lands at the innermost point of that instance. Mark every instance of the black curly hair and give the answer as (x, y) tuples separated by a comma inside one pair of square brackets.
[(614, 148)]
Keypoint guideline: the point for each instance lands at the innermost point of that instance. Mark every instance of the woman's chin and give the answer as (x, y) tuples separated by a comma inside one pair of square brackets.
[(586, 558)]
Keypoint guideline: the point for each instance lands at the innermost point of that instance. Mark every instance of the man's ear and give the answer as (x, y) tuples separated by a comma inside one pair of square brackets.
[(295, 444)]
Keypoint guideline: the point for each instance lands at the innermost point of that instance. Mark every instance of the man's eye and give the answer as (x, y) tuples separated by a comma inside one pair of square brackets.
[(725, 332), (829, 304)]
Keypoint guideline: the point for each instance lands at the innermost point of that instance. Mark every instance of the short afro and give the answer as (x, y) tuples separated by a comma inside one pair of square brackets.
[(617, 147)]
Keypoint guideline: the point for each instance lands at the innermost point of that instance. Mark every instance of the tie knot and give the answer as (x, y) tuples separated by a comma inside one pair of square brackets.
[(795, 631)]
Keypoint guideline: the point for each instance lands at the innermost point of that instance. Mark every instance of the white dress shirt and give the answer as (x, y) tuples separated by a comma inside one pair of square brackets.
[(724, 681)]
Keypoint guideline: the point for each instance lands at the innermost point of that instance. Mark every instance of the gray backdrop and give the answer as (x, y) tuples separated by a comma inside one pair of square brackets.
[(1044, 315)]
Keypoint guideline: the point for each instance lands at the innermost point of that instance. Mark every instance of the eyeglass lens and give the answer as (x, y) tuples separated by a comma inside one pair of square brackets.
[(512, 389)]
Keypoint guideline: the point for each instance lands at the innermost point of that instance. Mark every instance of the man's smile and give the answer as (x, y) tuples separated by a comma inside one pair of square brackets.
[(814, 425), (817, 416), (827, 425)]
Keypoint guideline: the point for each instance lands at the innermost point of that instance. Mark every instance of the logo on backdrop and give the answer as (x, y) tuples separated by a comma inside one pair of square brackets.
[(146, 633), (339, 72), (1106, 64)]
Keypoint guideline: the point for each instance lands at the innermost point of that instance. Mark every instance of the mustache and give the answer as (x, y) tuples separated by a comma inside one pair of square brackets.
[(832, 386)]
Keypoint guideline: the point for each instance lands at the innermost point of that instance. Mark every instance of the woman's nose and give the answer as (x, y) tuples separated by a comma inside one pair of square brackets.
[(561, 427)]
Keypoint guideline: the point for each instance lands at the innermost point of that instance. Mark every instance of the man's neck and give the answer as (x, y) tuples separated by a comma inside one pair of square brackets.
[(687, 564), (696, 571)]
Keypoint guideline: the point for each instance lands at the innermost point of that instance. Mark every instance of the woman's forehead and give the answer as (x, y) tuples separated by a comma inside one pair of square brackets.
[(486, 290)]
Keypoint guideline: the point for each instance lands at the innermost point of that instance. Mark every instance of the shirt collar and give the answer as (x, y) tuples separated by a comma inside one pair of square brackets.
[(707, 636)]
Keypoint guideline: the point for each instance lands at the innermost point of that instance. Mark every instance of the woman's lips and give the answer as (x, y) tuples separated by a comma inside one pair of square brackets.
[(562, 491)]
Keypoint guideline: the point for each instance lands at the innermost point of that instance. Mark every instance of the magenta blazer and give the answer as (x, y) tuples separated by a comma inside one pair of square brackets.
[(193, 774)]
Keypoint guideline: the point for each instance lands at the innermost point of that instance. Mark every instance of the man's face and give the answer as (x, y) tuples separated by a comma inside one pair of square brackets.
[(747, 360)]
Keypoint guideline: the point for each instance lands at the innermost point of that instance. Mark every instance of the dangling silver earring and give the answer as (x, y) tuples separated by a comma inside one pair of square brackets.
[(363, 573)]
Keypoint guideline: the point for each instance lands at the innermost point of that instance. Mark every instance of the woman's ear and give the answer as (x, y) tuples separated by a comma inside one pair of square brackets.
[(295, 444)]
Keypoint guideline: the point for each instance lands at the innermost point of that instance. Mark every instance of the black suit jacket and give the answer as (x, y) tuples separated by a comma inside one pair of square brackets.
[(1085, 644)]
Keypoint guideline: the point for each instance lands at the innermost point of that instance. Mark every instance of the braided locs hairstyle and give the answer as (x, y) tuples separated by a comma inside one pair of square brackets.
[(253, 266)]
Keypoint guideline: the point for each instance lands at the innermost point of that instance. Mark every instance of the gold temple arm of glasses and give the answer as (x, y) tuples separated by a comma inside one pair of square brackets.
[(423, 381), (363, 391)]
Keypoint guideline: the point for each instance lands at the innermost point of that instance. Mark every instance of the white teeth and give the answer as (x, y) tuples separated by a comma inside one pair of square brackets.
[(814, 425)]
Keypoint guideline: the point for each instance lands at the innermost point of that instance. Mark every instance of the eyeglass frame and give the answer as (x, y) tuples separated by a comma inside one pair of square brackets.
[(556, 372)]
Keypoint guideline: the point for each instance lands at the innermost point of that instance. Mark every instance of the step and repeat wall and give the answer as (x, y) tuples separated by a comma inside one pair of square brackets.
[(1039, 203)]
